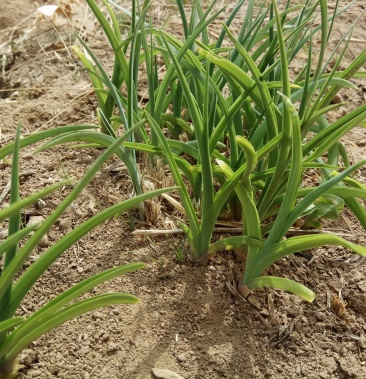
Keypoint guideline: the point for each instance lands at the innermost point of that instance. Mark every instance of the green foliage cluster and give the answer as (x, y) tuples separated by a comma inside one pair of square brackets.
[(230, 120), (237, 130), (17, 332)]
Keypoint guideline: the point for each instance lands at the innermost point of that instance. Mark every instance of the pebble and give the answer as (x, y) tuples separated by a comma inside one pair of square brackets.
[(44, 242), (165, 374), (112, 347), (358, 302), (27, 357), (65, 224), (362, 341), (34, 220), (337, 99), (298, 370), (181, 357), (293, 312), (97, 315), (320, 316), (40, 204), (35, 373)]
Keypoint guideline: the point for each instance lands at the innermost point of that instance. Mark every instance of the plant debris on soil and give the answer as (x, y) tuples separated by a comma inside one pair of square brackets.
[(189, 321)]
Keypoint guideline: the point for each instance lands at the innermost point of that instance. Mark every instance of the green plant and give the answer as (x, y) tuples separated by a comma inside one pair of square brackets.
[(15, 282), (271, 150), (292, 158), (107, 89), (179, 252), (241, 131)]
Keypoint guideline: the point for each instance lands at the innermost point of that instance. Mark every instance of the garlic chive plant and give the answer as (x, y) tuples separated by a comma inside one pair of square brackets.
[(239, 130), (17, 332)]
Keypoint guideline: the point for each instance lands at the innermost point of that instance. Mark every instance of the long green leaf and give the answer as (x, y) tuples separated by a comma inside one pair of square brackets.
[(15, 238), (14, 221), (317, 192), (187, 204), (69, 313), (26, 250), (101, 140), (21, 204), (36, 137), (8, 325), (231, 243), (51, 308), (25, 282), (280, 283), (294, 179), (301, 243)]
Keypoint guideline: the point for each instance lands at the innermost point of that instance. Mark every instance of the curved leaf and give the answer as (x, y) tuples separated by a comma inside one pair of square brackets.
[(67, 314), (283, 284)]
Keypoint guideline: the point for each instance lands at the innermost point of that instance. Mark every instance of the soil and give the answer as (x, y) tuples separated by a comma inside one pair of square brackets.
[(187, 319)]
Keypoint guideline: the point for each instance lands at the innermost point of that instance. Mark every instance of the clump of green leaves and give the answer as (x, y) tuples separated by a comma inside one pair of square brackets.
[(18, 332), (235, 124)]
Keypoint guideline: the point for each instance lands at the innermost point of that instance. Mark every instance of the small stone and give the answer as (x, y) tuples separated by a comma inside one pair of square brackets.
[(268, 373), (350, 367), (334, 285), (35, 373), (293, 348), (323, 375), (357, 301), (320, 316), (27, 357), (336, 348), (84, 350), (44, 242), (337, 99), (362, 341), (181, 357), (165, 374), (54, 369), (65, 224), (40, 204), (293, 312), (112, 347), (298, 370), (34, 220), (97, 315)]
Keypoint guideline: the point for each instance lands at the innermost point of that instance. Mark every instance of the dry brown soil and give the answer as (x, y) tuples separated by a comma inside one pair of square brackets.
[(187, 320)]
